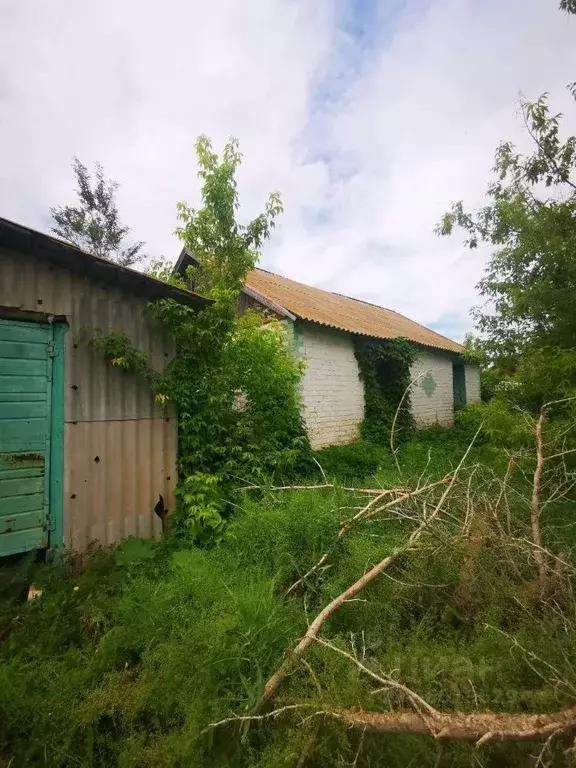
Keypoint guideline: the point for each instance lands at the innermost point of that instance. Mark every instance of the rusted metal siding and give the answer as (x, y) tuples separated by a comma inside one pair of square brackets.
[(120, 446)]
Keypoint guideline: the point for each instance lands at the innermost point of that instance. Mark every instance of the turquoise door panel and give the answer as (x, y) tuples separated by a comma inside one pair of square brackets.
[(21, 386), (459, 384), (21, 408), (14, 505), (23, 350), (26, 362), (14, 542), (10, 366), (20, 522)]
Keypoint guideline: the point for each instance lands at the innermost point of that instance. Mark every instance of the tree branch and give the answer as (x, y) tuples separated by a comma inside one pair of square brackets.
[(311, 634), (478, 727)]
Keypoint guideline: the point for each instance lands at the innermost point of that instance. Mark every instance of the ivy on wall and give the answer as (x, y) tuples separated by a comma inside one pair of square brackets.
[(385, 371)]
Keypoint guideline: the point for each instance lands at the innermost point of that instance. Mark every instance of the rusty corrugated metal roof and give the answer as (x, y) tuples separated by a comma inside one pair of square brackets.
[(343, 312)]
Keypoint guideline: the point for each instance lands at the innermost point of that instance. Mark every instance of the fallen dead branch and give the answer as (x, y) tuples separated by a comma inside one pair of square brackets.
[(478, 727), (535, 508), (325, 486), (311, 634), (366, 513), (385, 681)]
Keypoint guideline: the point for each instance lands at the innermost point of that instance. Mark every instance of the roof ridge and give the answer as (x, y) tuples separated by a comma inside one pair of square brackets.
[(279, 291), (353, 298)]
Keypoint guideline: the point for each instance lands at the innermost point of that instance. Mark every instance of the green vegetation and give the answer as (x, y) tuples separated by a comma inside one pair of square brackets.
[(232, 380), (94, 223), (527, 324), (127, 661), (385, 372)]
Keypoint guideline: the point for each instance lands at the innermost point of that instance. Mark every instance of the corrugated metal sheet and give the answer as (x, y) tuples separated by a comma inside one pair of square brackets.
[(120, 446), (344, 313)]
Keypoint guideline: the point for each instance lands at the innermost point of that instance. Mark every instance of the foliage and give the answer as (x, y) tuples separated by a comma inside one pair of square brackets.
[(529, 320), (232, 379), (502, 423), (351, 461), (93, 224), (385, 371), (163, 269), (492, 380), (126, 663), (225, 249)]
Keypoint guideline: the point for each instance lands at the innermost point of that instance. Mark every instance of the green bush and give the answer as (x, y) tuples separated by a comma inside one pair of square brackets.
[(354, 461), (126, 663)]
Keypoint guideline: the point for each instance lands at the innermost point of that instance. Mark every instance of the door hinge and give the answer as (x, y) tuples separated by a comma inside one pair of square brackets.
[(51, 349)]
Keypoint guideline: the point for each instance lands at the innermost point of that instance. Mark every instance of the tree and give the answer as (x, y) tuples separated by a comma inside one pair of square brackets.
[(225, 249), (94, 225), (233, 379), (528, 321)]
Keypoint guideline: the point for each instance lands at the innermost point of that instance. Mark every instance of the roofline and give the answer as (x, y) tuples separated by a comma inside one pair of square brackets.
[(425, 347), (379, 306), (278, 308), (367, 335), (186, 259), (41, 245)]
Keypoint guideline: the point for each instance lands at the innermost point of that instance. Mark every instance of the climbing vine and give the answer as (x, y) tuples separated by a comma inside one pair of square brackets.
[(232, 379), (385, 371)]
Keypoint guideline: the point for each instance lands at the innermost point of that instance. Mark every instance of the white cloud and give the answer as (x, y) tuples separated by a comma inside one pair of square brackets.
[(416, 107)]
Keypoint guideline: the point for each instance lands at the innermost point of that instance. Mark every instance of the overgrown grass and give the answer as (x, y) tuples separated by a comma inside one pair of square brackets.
[(127, 662)]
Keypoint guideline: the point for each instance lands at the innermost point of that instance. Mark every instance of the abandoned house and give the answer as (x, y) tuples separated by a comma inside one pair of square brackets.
[(323, 325), (85, 452)]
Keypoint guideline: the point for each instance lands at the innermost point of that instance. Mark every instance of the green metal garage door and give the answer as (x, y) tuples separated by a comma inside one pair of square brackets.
[(27, 352)]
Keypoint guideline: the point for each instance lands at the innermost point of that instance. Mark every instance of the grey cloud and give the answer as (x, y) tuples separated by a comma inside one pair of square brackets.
[(411, 126)]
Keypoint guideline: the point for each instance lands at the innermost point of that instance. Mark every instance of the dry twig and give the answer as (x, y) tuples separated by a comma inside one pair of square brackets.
[(314, 628)]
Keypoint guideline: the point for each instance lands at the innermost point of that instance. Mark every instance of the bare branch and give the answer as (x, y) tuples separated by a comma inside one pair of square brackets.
[(477, 727), (535, 508), (309, 637), (386, 681), (252, 718)]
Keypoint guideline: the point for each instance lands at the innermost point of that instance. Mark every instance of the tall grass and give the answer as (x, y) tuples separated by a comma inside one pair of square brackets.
[(127, 662)]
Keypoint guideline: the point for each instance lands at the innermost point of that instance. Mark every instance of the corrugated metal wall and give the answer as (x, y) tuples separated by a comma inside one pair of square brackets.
[(120, 446)]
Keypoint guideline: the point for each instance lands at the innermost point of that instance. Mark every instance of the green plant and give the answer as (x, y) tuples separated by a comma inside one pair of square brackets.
[(129, 661), (94, 224), (352, 461), (232, 380), (385, 370), (527, 323), (199, 513)]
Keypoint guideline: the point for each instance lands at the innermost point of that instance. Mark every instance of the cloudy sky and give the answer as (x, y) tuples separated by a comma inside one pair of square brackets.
[(370, 116)]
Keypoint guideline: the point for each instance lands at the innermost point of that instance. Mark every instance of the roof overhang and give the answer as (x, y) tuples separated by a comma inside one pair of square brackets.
[(22, 239), (186, 260)]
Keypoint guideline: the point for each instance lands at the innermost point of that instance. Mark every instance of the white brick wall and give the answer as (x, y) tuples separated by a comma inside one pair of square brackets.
[(472, 373), (432, 396), (332, 393)]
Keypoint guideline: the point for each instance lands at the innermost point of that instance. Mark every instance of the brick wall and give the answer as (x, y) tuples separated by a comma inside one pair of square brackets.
[(332, 393), (472, 384), (433, 395)]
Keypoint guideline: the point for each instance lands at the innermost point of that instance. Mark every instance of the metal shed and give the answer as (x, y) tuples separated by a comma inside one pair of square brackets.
[(85, 452)]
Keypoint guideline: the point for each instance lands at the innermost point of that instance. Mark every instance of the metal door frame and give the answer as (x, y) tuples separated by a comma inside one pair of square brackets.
[(54, 477)]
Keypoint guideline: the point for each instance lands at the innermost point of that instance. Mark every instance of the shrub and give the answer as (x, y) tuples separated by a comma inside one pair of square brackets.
[(353, 461)]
